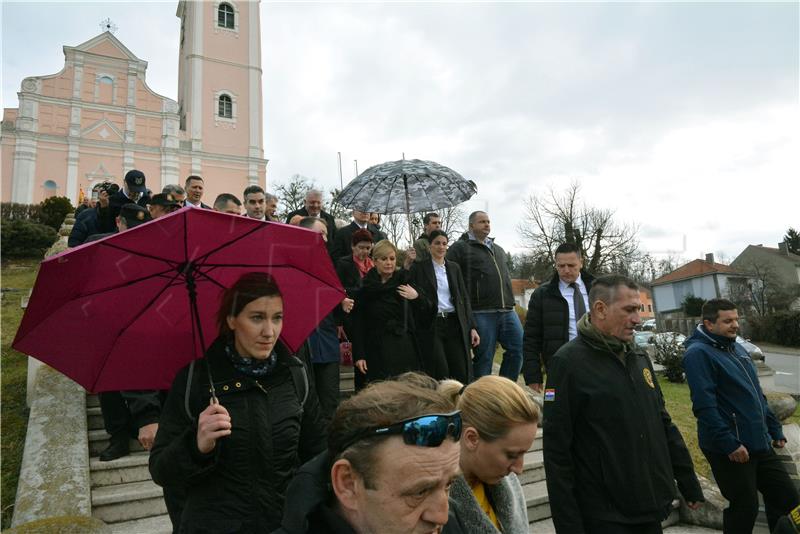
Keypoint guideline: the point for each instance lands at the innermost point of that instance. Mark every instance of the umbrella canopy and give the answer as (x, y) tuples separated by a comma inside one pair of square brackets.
[(406, 186), (117, 314)]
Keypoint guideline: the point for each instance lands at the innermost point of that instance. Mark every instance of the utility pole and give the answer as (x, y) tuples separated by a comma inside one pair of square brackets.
[(341, 183)]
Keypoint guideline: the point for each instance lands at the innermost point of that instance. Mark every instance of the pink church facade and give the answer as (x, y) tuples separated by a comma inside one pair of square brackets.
[(97, 118)]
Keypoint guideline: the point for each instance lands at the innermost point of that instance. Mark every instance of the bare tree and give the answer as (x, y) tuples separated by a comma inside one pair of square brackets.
[(561, 217), (763, 292), (334, 208), (395, 226), (292, 194)]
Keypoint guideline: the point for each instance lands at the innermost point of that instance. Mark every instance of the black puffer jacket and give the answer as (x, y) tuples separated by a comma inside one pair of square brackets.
[(485, 272), (611, 450), (239, 486), (546, 327)]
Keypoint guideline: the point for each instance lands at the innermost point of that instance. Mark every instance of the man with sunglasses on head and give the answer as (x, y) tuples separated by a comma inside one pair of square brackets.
[(392, 455)]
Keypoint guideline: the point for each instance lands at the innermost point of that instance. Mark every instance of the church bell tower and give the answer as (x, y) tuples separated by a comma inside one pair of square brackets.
[(219, 86)]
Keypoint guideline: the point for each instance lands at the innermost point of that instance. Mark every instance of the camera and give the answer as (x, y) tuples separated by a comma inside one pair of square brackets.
[(109, 187)]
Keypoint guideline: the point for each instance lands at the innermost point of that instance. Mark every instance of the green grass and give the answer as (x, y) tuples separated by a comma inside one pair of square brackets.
[(679, 406), (18, 274)]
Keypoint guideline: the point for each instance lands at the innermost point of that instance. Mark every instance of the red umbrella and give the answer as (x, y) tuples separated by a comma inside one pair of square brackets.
[(128, 311)]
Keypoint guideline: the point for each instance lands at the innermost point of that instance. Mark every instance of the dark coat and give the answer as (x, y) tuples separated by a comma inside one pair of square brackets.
[(485, 274), (351, 281), (239, 486), (85, 225), (313, 511), (611, 450), (727, 400), (546, 327), (342, 242), (423, 278), (384, 331), (107, 217), (330, 222)]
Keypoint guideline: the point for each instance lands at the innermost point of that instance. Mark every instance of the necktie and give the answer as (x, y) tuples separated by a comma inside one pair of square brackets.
[(577, 301)]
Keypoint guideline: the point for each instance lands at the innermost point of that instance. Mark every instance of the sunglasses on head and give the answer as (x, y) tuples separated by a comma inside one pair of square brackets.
[(423, 431)]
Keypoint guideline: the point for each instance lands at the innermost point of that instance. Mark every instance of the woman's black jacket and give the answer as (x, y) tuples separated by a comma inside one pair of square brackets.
[(384, 327), (239, 486), (423, 278)]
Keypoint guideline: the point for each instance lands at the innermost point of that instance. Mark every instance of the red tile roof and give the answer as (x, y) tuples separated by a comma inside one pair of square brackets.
[(518, 286), (694, 269)]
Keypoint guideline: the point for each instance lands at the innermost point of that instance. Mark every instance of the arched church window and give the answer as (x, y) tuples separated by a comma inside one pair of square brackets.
[(105, 80), (50, 188), (225, 107), (225, 16)]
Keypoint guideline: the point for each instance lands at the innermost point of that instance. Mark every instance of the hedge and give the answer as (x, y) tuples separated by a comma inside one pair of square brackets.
[(781, 328), (25, 239)]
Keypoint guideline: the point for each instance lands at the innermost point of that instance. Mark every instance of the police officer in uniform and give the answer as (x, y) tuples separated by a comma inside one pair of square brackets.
[(611, 451)]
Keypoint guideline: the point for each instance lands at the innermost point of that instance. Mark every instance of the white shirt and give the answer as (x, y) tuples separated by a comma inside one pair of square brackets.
[(442, 289), (190, 205), (567, 292)]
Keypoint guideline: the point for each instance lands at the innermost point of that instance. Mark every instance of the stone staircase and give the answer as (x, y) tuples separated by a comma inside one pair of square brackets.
[(123, 494)]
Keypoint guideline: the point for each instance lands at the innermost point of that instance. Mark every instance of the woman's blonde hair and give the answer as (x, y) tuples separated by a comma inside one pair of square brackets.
[(492, 404), (382, 248)]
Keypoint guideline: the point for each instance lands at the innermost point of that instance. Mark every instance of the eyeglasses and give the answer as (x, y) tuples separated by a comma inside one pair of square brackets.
[(423, 431)]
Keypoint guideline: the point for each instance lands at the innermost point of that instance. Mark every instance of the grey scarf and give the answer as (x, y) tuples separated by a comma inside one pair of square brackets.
[(507, 499)]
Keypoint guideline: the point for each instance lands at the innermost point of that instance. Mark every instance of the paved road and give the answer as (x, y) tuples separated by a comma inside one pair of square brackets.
[(787, 372)]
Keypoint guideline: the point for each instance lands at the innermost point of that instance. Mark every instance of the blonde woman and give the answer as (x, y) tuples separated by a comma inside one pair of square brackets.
[(384, 340), (500, 420)]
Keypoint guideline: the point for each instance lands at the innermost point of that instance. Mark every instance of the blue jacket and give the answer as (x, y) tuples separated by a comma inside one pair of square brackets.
[(727, 400)]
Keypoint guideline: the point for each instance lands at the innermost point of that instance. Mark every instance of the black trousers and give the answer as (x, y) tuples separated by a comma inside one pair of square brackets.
[(446, 357), (117, 418), (740, 484), (596, 526), (326, 380)]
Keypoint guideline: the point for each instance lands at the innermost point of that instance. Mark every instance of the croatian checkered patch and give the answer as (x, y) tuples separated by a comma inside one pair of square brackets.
[(549, 394)]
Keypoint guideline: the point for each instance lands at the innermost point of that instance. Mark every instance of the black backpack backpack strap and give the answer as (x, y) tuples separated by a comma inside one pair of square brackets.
[(300, 379)]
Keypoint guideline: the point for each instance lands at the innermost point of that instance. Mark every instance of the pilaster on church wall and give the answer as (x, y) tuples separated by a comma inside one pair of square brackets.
[(8, 142)]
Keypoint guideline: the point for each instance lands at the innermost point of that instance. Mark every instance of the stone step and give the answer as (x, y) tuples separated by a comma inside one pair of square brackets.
[(159, 524), (131, 468), (92, 400), (98, 440), (543, 526), (94, 418), (533, 470), (537, 501), (126, 502)]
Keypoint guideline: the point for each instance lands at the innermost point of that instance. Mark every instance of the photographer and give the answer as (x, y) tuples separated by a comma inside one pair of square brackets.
[(133, 190), (86, 221)]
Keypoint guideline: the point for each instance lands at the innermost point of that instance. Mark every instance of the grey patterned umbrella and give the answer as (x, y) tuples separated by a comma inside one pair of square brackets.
[(406, 186)]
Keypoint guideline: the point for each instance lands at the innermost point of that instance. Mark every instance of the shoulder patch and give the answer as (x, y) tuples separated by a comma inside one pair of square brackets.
[(648, 377), (549, 394)]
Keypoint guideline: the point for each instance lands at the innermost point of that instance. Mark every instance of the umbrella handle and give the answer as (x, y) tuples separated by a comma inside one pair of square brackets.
[(192, 288)]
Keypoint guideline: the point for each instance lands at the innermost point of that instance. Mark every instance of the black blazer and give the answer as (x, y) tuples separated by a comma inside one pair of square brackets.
[(423, 279), (324, 215)]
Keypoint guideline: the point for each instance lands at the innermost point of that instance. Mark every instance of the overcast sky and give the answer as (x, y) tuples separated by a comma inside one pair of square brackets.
[(682, 117)]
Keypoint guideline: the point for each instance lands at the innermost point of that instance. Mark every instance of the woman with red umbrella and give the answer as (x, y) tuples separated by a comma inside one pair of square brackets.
[(232, 442)]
